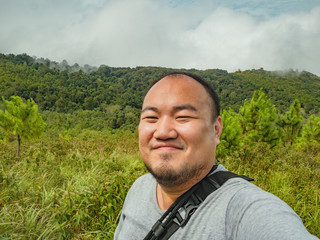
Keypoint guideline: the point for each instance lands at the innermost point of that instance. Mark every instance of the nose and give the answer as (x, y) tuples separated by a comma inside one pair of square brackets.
[(165, 129)]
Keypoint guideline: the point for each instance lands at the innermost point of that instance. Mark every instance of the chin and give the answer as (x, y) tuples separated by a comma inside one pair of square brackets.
[(166, 175)]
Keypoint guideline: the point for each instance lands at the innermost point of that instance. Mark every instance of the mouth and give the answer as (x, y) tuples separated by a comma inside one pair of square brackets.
[(167, 147)]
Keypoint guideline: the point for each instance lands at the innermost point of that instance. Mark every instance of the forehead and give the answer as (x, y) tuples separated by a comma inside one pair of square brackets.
[(180, 89)]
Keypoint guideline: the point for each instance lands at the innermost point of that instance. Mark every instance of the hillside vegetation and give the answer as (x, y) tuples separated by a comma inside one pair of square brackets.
[(71, 182), (74, 187), (108, 88)]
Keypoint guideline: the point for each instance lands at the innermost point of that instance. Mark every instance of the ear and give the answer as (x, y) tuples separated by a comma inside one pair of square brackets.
[(218, 125)]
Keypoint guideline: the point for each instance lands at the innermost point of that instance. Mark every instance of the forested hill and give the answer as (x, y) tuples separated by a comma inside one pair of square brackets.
[(106, 87)]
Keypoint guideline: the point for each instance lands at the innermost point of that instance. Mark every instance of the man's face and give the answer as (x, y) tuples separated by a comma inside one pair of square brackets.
[(177, 137)]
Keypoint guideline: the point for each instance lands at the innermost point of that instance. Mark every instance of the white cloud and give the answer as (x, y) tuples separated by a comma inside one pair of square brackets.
[(156, 33), (231, 40)]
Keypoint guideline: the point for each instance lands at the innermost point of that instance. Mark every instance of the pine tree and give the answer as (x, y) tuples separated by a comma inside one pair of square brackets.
[(21, 119), (258, 119), (310, 133), (291, 122), (231, 134)]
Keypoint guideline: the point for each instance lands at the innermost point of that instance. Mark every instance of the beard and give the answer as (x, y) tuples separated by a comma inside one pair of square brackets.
[(167, 176)]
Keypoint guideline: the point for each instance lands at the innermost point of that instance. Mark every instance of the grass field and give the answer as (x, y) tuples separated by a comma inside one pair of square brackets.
[(73, 187)]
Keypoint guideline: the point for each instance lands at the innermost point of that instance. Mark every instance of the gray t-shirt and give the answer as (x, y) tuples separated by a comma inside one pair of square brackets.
[(238, 210)]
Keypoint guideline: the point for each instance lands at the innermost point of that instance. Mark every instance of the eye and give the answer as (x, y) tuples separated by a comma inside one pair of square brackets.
[(184, 118), (150, 119)]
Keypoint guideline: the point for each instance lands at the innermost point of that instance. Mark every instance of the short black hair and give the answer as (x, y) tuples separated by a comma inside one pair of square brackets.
[(208, 87)]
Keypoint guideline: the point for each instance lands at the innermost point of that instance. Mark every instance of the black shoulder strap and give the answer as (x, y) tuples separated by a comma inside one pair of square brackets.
[(172, 220)]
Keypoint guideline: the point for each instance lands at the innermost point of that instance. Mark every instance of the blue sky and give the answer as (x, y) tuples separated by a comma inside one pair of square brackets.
[(271, 8), (207, 34)]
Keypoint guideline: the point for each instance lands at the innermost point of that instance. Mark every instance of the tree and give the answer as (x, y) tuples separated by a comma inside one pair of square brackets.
[(291, 122), (258, 119), (310, 133), (231, 134), (21, 119)]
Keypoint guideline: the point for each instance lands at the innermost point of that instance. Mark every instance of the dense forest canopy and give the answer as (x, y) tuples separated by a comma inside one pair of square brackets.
[(62, 88)]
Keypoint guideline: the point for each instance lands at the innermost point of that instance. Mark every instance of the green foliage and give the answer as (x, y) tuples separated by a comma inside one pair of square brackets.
[(65, 136), (64, 89), (64, 189), (21, 119), (283, 87), (258, 119), (75, 189), (291, 122), (231, 133), (310, 134)]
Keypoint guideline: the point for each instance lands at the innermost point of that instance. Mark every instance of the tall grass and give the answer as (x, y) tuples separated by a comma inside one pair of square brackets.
[(67, 189), (73, 186)]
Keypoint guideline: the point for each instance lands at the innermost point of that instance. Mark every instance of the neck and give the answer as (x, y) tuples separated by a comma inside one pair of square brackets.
[(166, 196)]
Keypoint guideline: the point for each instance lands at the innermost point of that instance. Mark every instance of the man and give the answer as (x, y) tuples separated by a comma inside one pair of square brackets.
[(179, 131)]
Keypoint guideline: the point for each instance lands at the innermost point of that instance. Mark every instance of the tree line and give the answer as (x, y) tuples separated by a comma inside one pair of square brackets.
[(68, 90), (108, 97), (258, 121)]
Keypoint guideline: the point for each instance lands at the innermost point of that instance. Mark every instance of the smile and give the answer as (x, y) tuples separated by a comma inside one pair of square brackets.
[(167, 147)]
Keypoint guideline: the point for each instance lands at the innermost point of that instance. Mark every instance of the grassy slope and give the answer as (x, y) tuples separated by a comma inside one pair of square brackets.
[(74, 188)]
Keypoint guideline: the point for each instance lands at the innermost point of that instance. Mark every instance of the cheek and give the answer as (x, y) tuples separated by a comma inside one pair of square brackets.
[(145, 134), (199, 136), (194, 132)]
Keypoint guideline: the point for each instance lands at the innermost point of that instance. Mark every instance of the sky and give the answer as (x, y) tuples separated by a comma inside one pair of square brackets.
[(205, 34)]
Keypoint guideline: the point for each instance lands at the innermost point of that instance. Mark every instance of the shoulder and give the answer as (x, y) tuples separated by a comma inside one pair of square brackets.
[(241, 190), (248, 195), (140, 209), (254, 212), (143, 180), (141, 187)]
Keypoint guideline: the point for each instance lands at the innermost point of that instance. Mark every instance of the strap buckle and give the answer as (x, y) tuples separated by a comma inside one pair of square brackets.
[(189, 209)]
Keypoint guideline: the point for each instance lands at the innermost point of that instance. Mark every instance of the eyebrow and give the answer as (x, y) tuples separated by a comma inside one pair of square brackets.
[(149, 108), (176, 108), (185, 107)]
